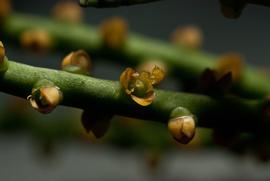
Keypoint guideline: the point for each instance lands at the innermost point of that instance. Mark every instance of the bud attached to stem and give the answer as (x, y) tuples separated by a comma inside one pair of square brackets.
[(36, 40), (5, 9), (45, 96), (139, 85), (78, 62), (230, 62), (3, 59), (182, 125), (96, 122), (68, 11), (189, 36), (114, 32)]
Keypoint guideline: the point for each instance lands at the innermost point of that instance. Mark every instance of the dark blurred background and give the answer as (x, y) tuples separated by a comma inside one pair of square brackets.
[(33, 156)]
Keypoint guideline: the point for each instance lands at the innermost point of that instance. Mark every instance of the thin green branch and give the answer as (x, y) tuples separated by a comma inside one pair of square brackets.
[(85, 92), (186, 64), (112, 3)]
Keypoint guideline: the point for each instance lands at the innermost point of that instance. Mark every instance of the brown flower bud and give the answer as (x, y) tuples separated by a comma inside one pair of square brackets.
[(230, 62), (182, 125), (5, 9), (2, 53), (188, 36), (77, 62), (114, 32), (96, 122), (68, 11), (45, 97), (37, 40)]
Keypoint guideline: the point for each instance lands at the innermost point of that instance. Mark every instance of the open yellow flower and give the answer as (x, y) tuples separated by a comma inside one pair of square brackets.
[(139, 85)]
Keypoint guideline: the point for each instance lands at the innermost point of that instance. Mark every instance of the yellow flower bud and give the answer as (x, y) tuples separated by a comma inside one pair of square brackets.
[(182, 125), (2, 53), (114, 32), (37, 40), (3, 59), (188, 36), (182, 128), (68, 11), (45, 97), (5, 9), (79, 59)]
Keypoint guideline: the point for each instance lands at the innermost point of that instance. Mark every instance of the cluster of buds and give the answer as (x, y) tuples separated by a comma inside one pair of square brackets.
[(114, 32), (67, 11), (36, 40), (78, 62), (45, 96), (139, 85), (182, 125)]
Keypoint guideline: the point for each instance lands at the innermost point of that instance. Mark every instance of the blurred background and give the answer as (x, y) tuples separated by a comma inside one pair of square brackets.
[(55, 146)]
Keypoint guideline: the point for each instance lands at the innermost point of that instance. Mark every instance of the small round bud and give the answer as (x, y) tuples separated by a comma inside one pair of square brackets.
[(3, 59), (114, 32), (45, 96), (68, 11), (76, 62), (36, 40), (182, 125), (5, 9), (2, 52), (188, 36)]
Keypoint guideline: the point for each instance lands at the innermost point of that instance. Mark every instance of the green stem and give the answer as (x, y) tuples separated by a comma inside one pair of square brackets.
[(112, 3), (186, 64), (85, 92)]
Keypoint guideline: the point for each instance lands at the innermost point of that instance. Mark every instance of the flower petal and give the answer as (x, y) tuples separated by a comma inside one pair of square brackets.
[(157, 75), (125, 77), (145, 101)]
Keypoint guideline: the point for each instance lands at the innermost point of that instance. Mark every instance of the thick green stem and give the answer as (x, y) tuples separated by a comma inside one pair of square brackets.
[(186, 64), (85, 92), (112, 3)]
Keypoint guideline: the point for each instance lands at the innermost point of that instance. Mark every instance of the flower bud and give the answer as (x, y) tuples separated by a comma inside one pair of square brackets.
[(96, 122), (182, 125), (3, 59), (230, 62), (36, 40), (68, 11), (76, 62), (5, 9), (188, 36), (114, 32), (45, 96)]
